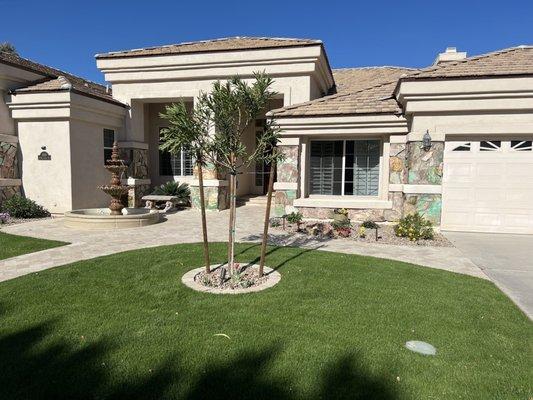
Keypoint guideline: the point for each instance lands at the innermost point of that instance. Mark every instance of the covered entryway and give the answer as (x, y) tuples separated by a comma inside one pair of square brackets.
[(488, 185)]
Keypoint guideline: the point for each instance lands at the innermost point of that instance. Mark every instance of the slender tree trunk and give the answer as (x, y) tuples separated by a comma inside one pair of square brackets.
[(204, 220), (267, 217), (234, 223), (231, 217)]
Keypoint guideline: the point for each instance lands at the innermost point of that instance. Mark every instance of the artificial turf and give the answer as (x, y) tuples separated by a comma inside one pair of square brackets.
[(123, 326), (13, 245)]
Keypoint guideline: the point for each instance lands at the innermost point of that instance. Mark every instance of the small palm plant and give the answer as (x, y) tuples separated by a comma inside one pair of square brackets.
[(172, 188)]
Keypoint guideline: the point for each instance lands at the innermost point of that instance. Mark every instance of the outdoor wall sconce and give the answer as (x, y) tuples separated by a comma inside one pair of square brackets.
[(426, 141)]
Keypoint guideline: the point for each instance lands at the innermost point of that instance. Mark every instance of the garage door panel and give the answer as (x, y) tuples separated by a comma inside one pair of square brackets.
[(488, 191)]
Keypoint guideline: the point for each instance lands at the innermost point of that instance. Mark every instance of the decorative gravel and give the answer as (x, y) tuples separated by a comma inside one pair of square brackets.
[(386, 235), (16, 221), (245, 280)]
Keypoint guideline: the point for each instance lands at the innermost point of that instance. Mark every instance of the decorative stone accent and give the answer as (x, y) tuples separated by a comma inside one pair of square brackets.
[(287, 172), (8, 160), (135, 194), (397, 167), (6, 192), (138, 162), (216, 197), (283, 199), (355, 215), (288, 168), (189, 280), (425, 167), (396, 212), (428, 205)]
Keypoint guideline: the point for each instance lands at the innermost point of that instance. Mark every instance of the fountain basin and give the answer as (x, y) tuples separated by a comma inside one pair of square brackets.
[(101, 218)]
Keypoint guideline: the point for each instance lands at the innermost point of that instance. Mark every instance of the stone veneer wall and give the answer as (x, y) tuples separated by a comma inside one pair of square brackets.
[(138, 162), (9, 169), (425, 167), (8, 160), (6, 192), (136, 193), (411, 164), (287, 172), (216, 197)]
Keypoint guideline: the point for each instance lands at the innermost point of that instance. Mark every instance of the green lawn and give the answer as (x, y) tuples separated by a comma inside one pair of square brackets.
[(12, 245), (124, 327)]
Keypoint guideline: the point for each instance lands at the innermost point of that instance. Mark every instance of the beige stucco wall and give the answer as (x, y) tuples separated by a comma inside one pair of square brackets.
[(87, 163), (72, 132), (46, 182), (7, 125)]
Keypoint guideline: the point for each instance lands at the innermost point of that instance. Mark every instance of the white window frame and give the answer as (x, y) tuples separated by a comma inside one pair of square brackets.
[(103, 139), (344, 140), (182, 155)]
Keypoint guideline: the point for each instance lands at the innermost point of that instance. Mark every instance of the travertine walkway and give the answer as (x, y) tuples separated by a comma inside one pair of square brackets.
[(184, 227)]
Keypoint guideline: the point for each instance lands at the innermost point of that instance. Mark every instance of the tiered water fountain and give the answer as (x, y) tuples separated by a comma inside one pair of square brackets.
[(115, 189), (116, 215)]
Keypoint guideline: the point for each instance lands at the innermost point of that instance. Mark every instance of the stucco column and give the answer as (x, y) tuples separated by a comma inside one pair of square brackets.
[(288, 176)]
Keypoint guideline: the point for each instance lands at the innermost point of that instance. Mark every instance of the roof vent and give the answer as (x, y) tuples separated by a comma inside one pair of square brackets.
[(451, 54)]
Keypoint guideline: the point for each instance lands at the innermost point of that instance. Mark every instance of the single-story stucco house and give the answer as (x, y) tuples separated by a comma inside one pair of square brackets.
[(452, 141)]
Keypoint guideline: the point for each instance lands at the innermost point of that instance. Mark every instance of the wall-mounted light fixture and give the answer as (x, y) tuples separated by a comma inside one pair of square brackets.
[(426, 141)]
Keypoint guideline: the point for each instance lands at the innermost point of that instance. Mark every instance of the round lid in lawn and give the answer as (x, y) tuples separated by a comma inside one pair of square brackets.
[(421, 347), (218, 281)]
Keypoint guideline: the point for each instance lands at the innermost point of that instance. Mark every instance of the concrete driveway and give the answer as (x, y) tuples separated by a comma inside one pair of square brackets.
[(506, 259)]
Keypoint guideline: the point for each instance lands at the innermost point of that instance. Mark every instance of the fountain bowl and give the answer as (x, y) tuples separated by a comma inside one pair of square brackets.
[(101, 218)]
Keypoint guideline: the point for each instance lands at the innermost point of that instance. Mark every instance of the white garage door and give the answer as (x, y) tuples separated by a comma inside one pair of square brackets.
[(488, 186)]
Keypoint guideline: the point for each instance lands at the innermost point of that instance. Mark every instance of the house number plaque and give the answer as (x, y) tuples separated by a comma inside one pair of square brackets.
[(44, 155)]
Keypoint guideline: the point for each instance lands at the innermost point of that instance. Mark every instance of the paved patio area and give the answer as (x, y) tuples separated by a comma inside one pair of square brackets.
[(184, 227)]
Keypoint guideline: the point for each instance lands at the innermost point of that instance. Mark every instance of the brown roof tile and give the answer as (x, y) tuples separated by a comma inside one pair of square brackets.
[(511, 61), (367, 90), (349, 80), (213, 45), (51, 83), (374, 100)]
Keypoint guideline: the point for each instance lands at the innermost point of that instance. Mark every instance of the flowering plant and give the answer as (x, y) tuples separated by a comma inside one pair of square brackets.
[(4, 217)]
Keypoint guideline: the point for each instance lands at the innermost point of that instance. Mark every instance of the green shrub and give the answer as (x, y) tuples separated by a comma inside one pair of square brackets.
[(370, 224), (414, 227), (172, 188), (21, 207), (340, 224), (294, 218)]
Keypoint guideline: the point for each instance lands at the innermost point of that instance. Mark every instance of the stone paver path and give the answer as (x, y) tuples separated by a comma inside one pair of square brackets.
[(184, 227)]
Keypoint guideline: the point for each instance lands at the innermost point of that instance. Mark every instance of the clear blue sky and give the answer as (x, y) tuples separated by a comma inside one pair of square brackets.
[(67, 34)]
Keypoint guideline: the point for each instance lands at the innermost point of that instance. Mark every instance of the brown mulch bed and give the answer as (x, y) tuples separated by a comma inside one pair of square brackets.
[(244, 277), (386, 235)]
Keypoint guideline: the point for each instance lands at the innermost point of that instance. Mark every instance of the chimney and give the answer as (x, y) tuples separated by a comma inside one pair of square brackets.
[(451, 54)]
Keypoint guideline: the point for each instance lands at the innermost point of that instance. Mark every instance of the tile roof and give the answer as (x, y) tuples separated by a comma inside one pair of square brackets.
[(512, 61), (351, 99), (355, 79), (374, 100), (50, 81), (213, 45), (367, 90)]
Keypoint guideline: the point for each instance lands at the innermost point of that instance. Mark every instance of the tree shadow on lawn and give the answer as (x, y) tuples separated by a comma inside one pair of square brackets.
[(35, 366), (299, 243)]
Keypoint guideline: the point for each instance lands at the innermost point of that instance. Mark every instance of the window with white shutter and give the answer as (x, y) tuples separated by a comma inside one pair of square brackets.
[(358, 159)]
